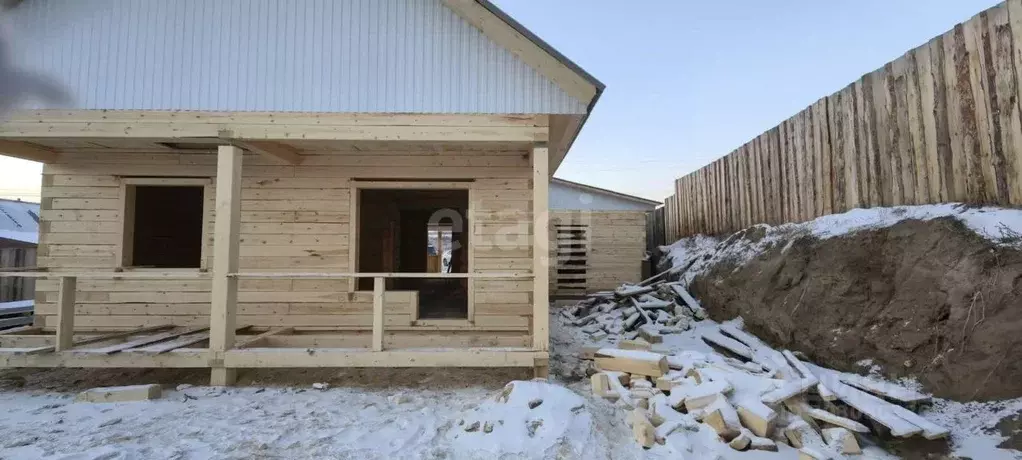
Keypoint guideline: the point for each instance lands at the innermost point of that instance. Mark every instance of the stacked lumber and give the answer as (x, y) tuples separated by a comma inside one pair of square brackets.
[(752, 396)]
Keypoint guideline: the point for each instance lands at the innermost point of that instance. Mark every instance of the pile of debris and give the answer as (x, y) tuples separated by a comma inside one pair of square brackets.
[(752, 396), (642, 310)]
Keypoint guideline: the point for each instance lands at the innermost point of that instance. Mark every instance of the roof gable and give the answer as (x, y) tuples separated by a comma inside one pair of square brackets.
[(409, 56)]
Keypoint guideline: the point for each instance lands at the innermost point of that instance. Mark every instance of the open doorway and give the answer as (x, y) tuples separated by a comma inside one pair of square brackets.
[(417, 231)]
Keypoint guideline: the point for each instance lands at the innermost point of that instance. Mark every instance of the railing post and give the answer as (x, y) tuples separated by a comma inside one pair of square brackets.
[(66, 313), (378, 313), (224, 303)]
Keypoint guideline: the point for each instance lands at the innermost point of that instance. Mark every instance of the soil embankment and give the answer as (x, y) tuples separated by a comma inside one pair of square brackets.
[(928, 300)]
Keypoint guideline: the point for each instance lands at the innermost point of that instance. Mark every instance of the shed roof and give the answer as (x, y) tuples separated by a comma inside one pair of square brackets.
[(19, 221), (603, 191)]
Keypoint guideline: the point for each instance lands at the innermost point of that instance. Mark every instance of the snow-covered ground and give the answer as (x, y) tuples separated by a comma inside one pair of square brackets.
[(536, 420)]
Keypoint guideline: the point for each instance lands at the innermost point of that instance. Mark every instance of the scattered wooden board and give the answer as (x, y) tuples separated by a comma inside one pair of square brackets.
[(632, 361), (109, 350), (738, 348)]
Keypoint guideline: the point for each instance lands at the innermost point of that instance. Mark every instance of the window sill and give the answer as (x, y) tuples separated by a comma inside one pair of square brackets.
[(443, 323), (168, 270)]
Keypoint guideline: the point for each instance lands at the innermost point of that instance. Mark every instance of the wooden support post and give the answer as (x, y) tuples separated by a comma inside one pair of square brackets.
[(224, 305), (540, 248), (66, 313), (378, 314)]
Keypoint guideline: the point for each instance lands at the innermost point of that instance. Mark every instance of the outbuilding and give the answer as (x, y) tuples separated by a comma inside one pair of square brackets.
[(598, 238)]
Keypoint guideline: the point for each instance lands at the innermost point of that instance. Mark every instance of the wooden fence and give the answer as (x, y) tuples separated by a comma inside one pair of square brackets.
[(940, 124)]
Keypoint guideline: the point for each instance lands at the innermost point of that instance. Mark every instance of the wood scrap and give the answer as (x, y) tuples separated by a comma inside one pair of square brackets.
[(714, 337), (837, 420), (758, 418), (634, 345), (632, 361), (789, 390), (873, 407), (631, 291), (884, 389), (822, 389), (842, 440)]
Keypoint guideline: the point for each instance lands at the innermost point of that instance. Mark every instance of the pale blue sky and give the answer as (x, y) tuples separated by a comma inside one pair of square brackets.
[(689, 81)]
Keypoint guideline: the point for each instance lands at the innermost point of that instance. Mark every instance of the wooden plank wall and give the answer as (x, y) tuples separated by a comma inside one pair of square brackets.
[(293, 218), (616, 246), (940, 124), (12, 289)]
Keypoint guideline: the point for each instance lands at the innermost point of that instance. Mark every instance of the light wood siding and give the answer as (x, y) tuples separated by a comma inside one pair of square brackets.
[(293, 218), (615, 243), (940, 124)]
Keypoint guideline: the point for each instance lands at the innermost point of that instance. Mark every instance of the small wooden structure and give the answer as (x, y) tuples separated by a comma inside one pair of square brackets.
[(598, 238), (289, 228)]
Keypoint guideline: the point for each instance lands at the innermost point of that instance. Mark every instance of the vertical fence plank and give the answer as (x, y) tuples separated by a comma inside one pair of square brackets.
[(835, 126), (1003, 93), (915, 126), (977, 42), (1014, 154)]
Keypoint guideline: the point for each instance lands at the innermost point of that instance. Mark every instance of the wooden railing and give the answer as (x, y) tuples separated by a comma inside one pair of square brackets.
[(69, 281), (378, 287)]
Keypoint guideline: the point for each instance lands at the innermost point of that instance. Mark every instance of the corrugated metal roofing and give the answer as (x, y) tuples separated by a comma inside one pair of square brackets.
[(413, 56)]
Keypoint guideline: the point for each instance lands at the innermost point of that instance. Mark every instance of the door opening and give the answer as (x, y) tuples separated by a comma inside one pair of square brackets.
[(417, 231)]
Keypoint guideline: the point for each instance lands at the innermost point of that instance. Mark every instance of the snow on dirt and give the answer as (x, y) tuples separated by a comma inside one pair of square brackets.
[(534, 420), (1000, 225), (974, 426)]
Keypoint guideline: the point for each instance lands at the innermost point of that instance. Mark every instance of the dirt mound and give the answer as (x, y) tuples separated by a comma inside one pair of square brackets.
[(930, 300)]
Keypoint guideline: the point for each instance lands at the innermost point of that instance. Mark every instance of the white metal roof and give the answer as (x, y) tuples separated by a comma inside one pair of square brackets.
[(19, 221)]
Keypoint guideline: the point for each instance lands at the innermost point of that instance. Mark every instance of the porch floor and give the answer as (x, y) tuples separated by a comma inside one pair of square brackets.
[(167, 347)]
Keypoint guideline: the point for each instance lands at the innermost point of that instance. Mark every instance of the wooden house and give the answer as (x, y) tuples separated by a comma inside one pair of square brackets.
[(247, 184), (598, 238)]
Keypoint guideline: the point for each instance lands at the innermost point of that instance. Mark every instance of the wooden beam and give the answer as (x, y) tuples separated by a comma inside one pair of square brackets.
[(21, 330), (178, 359), (28, 151), (532, 54), (100, 275), (346, 275), (66, 313), (339, 357), (99, 338), (276, 150), (540, 248), (266, 126), (261, 337), (224, 305), (378, 314)]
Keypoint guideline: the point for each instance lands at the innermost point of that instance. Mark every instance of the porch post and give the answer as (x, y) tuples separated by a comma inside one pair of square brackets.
[(224, 305), (540, 247)]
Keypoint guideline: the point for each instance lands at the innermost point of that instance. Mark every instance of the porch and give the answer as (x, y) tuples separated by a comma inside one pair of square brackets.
[(280, 234)]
